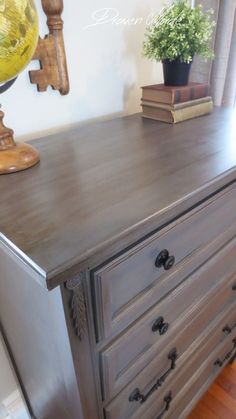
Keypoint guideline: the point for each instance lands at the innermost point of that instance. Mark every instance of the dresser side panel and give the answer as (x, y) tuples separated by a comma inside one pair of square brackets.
[(33, 324)]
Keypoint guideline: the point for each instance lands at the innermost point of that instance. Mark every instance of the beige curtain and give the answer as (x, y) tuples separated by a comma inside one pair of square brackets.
[(222, 72)]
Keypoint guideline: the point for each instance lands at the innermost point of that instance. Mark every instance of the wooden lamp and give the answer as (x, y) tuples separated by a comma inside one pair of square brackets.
[(53, 72)]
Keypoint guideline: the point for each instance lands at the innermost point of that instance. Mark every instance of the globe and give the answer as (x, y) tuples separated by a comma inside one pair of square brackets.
[(18, 36)]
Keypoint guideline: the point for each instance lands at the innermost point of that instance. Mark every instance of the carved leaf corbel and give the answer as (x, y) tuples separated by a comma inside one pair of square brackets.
[(77, 306)]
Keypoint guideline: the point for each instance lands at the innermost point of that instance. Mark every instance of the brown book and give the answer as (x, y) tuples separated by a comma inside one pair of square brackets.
[(175, 94), (178, 115), (177, 105)]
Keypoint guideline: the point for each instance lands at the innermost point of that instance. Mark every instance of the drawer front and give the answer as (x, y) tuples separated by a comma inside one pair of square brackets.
[(131, 283), (142, 397), (192, 392), (186, 312), (184, 400)]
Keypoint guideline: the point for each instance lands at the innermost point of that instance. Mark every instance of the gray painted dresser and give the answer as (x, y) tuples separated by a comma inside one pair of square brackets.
[(118, 267)]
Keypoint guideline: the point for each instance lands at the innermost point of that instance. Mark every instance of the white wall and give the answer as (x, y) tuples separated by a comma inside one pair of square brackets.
[(7, 380), (106, 71), (105, 66)]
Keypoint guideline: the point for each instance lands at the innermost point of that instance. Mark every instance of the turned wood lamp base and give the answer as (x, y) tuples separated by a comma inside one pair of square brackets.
[(14, 157)]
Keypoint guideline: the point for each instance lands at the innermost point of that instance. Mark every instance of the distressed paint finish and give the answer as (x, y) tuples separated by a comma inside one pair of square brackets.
[(114, 195), (100, 187)]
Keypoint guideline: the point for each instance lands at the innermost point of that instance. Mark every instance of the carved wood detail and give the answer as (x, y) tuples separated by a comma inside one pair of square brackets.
[(51, 52), (14, 157), (6, 135), (77, 305)]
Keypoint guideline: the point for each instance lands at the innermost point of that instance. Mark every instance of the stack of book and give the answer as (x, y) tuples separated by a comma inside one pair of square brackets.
[(175, 104)]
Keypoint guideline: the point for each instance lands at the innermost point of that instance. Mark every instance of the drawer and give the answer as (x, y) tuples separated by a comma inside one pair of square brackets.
[(193, 392), (183, 401), (140, 400), (186, 312), (124, 288)]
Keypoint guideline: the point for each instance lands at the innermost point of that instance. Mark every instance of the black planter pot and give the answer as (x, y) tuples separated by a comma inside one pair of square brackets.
[(176, 73)]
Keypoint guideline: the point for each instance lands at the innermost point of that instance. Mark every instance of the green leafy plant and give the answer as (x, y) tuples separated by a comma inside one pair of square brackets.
[(179, 32)]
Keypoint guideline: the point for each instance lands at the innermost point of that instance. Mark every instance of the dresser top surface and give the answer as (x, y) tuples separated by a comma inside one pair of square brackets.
[(104, 181)]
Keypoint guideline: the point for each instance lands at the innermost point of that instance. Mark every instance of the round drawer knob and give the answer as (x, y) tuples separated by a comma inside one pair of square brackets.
[(165, 260), (169, 263), (160, 326), (164, 328), (227, 329)]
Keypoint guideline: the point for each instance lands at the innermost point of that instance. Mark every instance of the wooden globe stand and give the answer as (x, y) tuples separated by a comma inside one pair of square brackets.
[(14, 157)]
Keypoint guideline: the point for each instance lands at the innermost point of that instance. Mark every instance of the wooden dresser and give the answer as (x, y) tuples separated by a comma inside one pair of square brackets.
[(118, 267)]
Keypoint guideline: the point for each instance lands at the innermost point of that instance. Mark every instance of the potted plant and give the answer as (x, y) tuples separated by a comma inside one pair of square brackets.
[(175, 36)]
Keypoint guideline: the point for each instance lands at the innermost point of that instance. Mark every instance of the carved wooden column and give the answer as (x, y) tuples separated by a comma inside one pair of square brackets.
[(51, 52)]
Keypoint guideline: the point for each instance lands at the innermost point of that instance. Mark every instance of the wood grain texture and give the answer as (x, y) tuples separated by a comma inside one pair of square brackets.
[(220, 400), (104, 185), (98, 189), (190, 314), (194, 370), (126, 281)]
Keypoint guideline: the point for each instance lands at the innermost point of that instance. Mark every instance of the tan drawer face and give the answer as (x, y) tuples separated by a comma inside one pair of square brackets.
[(212, 345), (187, 311), (125, 288)]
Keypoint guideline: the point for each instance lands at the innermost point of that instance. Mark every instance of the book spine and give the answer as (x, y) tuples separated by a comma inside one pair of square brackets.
[(182, 105), (160, 114), (192, 112), (191, 93)]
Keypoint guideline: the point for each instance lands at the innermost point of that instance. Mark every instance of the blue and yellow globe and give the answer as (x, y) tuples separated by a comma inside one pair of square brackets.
[(18, 36)]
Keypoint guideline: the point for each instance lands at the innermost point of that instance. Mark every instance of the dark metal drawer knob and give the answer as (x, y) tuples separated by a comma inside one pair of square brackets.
[(160, 326), (165, 260), (227, 329)]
